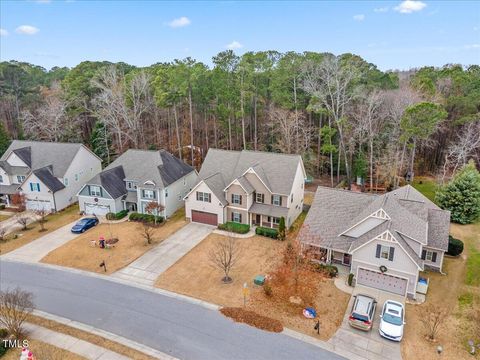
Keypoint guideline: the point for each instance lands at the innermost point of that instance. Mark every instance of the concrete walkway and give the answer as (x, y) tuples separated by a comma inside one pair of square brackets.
[(38, 249), (250, 234), (80, 347), (148, 267)]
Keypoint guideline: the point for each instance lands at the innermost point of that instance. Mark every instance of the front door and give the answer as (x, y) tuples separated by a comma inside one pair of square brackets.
[(258, 219), (346, 259)]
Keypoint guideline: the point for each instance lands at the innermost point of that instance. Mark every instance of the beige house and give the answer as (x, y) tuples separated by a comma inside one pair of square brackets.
[(248, 187)]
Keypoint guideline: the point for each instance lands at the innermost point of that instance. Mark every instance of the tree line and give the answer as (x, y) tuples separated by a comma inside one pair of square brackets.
[(344, 116)]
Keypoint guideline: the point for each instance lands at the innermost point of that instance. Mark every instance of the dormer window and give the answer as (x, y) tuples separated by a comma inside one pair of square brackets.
[(259, 198), (131, 186)]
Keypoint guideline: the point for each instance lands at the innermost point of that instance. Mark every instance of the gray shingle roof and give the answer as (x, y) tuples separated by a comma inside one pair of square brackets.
[(25, 154), (9, 189), (112, 180), (46, 176), (269, 210), (438, 228), (216, 183), (246, 184), (276, 170), (14, 170)]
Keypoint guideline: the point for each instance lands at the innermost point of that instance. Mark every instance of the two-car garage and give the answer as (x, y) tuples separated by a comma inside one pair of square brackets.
[(378, 280), (204, 217)]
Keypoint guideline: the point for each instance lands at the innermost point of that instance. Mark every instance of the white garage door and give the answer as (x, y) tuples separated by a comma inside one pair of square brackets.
[(381, 281), (96, 209), (38, 205)]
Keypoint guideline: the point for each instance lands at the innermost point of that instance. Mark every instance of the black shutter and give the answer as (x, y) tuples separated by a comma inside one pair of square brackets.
[(209, 197), (271, 200), (143, 193), (240, 218), (424, 254), (280, 200), (232, 198), (434, 257), (197, 194), (263, 198), (232, 216), (392, 251), (241, 199), (379, 249)]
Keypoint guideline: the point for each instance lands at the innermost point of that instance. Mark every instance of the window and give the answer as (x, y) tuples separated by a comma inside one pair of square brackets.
[(179, 197), (35, 187), (276, 220), (184, 181), (76, 177), (166, 193), (1, 179), (20, 178), (277, 200), (429, 255), (65, 181), (291, 198), (259, 198), (203, 196), (95, 191), (236, 199), (236, 217), (385, 252), (148, 194)]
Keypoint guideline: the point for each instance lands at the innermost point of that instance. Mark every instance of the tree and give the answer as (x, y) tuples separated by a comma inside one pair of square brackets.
[(148, 231), (433, 319), (15, 306), (281, 229), (155, 209), (22, 220), (4, 140), (101, 142), (462, 195), (42, 218), (224, 256), (19, 200)]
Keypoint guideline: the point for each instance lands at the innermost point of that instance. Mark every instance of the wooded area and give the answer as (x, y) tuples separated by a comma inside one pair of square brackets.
[(344, 116)]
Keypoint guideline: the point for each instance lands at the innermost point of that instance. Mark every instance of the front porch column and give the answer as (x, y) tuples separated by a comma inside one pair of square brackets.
[(329, 256), (7, 197), (271, 222)]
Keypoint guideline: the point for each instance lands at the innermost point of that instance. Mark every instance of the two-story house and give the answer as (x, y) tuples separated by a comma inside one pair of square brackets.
[(135, 179), (248, 187), (49, 174), (385, 240)]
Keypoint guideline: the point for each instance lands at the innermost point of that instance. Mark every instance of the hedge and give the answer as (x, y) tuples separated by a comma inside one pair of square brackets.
[(116, 216), (455, 246), (268, 232), (146, 218), (330, 270), (235, 227)]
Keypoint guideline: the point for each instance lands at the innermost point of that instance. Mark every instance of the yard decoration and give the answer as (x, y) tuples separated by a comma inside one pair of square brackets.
[(309, 313)]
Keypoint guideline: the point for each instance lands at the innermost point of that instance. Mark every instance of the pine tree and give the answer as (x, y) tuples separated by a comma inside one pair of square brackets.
[(281, 229), (4, 140), (101, 142), (462, 195)]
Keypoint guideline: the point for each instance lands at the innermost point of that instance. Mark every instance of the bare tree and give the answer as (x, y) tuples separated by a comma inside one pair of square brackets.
[(148, 231), (433, 319), (22, 220), (292, 132), (15, 305), (42, 218), (225, 256), (3, 231)]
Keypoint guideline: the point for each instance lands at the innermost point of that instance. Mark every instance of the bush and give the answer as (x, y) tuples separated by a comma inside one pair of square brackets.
[(2, 206), (455, 246), (116, 216), (267, 289), (110, 216), (268, 232), (350, 279), (235, 227), (330, 270), (281, 229), (145, 218)]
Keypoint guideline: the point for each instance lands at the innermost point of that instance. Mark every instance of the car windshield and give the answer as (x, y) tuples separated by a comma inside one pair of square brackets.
[(392, 319), (82, 222)]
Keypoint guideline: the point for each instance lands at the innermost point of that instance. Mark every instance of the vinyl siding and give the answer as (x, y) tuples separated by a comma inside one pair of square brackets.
[(214, 206), (237, 190)]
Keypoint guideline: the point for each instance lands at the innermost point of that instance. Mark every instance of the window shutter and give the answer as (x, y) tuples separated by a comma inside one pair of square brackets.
[(379, 248), (209, 197), (263, 198), (390, 255), (434, 257), (232, 216), (240, 217), (280, 200), (38, 187), (272, 200), (424, 254), (143, 193), (31, 187), (241, 199), (232, 198)]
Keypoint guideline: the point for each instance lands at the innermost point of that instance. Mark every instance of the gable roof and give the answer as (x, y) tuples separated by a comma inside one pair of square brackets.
[(277, 171), (45, 175), (25, 154), (112, 180)]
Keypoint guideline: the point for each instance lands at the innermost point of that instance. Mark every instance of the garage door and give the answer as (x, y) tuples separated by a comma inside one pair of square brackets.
[(381, 281), (96, 209), (204, 217), (38, 205)]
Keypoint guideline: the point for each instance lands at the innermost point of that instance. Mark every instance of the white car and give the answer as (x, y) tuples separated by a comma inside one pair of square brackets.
[(392, 320)]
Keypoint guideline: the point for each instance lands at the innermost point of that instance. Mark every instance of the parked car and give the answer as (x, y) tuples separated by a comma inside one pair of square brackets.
[(84, 224), (363, 311), (392, 320)]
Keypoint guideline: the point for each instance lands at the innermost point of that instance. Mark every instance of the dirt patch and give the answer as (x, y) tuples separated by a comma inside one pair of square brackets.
[(80, 254), (42, 351), (253, 319), (54, 221), (308, 198)]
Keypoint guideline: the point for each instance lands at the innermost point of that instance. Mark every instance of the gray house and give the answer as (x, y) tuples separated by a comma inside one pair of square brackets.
[(385, 240), (135, 179), (249, 187), (49, 174)]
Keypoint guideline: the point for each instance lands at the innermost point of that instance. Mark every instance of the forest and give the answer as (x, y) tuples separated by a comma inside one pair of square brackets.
[(344, 116)]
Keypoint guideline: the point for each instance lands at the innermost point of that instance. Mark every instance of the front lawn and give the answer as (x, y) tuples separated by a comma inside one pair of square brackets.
[(42, 351), (78, 253), (54, 221)]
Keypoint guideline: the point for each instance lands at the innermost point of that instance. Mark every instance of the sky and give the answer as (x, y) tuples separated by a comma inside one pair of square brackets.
[(390, 34)]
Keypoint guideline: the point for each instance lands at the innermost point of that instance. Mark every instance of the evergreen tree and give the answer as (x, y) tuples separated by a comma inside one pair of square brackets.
[(281, 229), (101, 142), (462, 195), (4, 140)]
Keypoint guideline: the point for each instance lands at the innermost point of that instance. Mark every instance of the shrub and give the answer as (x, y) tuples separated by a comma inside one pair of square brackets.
[(235, 227), (15, 305), (110, 216), (281, 229), (268, 232), (455, 246), (330, 270), (267, 289), (116, 216), (145, 218), (350, 279), (2, 206)]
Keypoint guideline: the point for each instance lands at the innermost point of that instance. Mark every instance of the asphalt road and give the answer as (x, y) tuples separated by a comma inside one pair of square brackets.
[(173, 326)]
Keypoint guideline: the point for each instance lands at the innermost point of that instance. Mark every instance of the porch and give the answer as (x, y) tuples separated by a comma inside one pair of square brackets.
[(264, 221), (329, 256), (266, 215)]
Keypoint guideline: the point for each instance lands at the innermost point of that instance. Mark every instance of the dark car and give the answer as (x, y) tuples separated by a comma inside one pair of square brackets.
[(84, 224)]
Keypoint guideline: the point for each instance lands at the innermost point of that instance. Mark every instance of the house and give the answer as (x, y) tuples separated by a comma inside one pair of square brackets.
[(135, 179), (384, 240), (248, 187), (49, 174)]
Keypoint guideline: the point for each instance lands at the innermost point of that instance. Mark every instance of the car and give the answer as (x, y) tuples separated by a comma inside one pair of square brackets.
[(392, 320), (363, 312), (84, 224)]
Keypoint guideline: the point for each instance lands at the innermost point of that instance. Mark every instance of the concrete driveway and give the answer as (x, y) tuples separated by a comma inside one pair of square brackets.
[(367, 345), (148, 267)]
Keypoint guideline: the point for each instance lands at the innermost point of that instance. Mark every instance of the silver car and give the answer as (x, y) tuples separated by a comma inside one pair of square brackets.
[(392, 320), (363, 311)]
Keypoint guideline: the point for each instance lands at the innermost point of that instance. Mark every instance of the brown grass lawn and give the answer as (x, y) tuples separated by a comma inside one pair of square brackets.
[(451, 292), (54, 221), (42, 351), (79, 254), (308, 198), (5, 217)]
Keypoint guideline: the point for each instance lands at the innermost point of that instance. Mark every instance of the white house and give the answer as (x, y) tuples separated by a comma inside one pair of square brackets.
[(135, 179), (49, 174), (249, 187)]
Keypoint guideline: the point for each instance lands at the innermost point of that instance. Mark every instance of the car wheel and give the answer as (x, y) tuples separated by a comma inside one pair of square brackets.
[(83, 230)]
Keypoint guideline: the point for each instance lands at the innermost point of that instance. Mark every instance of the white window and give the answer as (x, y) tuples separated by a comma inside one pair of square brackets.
[(95, 191), (276, 200), (429, 255), (260, 198), (65, 181), (236, 217), (203, 196), (385, 252), (131, 186), (20, 178), (237, 199), (1, 179), (149, 194), (166, 192), (276, 220)]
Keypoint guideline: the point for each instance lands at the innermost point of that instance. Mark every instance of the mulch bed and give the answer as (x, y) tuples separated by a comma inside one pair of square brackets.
[(252, 318)]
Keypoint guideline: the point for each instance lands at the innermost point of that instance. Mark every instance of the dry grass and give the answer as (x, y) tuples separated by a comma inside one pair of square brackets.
[(78, 253), (251, 318), (5, 217), (86, 336), (54, 222), (308, 198), (450, 292), (43, 351)]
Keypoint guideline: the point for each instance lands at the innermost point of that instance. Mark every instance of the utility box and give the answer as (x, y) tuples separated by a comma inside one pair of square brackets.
[(259, 280)]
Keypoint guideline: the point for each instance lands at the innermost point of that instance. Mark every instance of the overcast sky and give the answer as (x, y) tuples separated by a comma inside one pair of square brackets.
[(390, 34)]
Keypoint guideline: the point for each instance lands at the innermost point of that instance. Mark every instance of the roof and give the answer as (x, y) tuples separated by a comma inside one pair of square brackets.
[(269, 210), (45, 175), (39, 154), (14, 170), (244, 183), (277, 171), (408, 214), (9, 189), (112, 180)]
